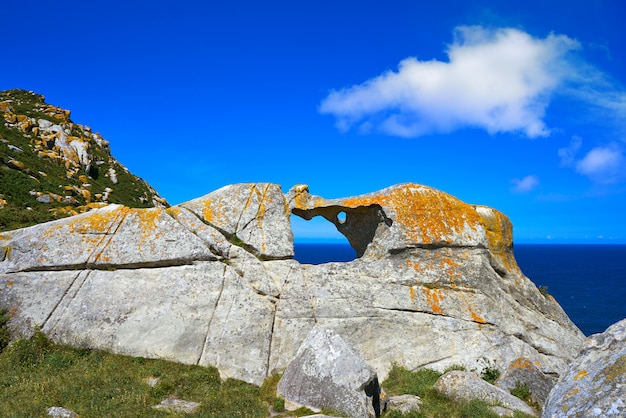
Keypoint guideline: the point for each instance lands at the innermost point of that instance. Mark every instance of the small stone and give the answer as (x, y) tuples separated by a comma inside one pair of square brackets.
[(404, 403), (17, 165), (177, 405), (59, 412)]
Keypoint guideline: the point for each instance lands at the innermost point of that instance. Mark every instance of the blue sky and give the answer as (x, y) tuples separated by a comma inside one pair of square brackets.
[(521, 108)]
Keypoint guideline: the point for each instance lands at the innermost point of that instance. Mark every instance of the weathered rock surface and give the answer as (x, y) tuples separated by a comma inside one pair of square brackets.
[(60, 412), (404, 403), (594, 385), (173, 405), (465, 386), (523, 371), (212, 282), (327, 373)]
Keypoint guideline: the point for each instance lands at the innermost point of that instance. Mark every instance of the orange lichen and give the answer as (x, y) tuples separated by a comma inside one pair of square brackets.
[(523, 363), (572, 393), (499, 233), (434, 298), (415, 266), (412, 293), (580, 375), (429, 216), (475, 316)]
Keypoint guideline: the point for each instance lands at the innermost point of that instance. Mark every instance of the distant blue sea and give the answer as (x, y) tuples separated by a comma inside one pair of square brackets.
[(588, 281)]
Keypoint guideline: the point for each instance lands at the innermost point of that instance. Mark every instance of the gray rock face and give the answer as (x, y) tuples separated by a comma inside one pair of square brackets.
[(212, 282), (465, 386), (404, 403), (60, 412), (594, 385), (327, 373), (524, 371)]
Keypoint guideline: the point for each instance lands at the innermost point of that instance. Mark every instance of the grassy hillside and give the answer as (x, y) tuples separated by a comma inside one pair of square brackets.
[(36, 374), (51, 167)]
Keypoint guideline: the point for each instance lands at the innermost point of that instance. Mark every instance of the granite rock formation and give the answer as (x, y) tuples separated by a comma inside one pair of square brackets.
[(52, 167), (594, 384), (326, 373), (213, 282), (464, 386)]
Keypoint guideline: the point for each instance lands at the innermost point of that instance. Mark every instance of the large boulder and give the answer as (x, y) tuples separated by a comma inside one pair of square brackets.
[(213, 282), (594, 385), (465, 386), (327, 373)]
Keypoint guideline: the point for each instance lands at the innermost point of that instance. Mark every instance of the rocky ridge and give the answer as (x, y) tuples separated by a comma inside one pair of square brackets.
[(213, 282), (52, 167)]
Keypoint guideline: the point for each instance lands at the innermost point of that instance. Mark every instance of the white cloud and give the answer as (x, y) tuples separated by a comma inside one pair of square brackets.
[(499, 80), (526, 184), (568, 154), (603, 164)]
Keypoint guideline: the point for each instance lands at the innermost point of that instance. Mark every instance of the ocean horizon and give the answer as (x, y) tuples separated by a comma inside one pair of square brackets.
[(587, 280)]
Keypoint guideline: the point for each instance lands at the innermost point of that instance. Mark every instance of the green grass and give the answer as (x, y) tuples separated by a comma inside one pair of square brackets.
[(420, 383), (5, 334), (36, 374), (42, 174)]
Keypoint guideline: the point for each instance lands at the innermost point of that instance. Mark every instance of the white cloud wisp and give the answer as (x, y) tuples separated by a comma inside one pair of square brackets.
[(498, 80), (603, 164), (526, 184)]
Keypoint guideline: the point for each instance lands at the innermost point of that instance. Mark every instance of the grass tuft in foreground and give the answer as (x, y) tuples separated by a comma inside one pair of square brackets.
[(420, 383), (36, 374)]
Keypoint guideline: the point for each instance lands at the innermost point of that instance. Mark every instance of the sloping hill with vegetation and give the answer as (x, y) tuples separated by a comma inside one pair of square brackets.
[(51, 167)]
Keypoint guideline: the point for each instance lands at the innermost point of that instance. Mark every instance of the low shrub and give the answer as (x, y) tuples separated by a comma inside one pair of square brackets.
[(5, 332)]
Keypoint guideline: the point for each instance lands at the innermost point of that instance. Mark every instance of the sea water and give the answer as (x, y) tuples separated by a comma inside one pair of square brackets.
[(588, 281)]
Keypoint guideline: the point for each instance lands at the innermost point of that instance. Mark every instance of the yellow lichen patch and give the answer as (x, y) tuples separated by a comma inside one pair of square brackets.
[(499, 233), (173, 211), (434, 298), (614, 370), (580, 375), (96, 222), (412, 293), (213, 212), (147, 218), (6, 250)]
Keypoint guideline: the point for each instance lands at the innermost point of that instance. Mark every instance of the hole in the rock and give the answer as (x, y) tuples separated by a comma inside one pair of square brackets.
[(341, 217), (317, 241)]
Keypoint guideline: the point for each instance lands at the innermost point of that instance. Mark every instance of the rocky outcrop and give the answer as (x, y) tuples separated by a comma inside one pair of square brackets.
[(523, 372), (326, 373), (594, 385), (464, 386), (54, 167), (213, 281)]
